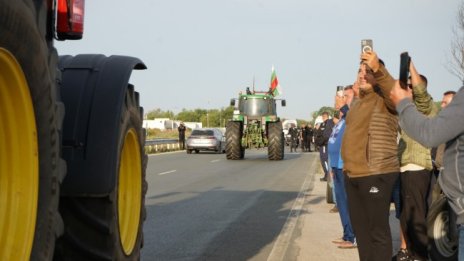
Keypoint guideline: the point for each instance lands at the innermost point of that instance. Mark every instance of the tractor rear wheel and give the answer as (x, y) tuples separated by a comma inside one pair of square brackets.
[(234, 150), (110, 227), (31, 169), (276, 141)]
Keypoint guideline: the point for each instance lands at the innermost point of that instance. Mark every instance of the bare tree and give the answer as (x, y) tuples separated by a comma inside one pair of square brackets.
[(456, 65)]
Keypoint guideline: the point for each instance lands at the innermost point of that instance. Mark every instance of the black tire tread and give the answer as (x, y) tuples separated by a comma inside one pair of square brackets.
[(234, 150), (92, 230), (23, 25), (276, 142), (438, 206)]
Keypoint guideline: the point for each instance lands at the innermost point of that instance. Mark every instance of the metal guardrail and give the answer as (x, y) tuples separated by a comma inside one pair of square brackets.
[(161, 145), (160, 141)]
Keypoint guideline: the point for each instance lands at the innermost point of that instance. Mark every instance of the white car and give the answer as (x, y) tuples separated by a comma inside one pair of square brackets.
[(207, 139)]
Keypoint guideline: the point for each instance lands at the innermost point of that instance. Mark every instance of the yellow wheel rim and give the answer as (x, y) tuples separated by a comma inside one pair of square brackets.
[(19, 167), (130, 191)]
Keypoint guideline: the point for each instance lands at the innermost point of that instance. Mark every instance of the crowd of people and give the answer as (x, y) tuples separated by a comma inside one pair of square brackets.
[(386, 143), (301, 137)]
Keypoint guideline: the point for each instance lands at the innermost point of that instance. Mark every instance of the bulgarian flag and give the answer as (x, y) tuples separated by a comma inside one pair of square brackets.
[(274, 89)]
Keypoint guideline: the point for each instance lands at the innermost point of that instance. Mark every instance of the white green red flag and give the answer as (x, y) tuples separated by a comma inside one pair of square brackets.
[(274, 89)]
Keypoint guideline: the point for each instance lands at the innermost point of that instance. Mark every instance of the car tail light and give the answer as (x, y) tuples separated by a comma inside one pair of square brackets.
[(70, 19)]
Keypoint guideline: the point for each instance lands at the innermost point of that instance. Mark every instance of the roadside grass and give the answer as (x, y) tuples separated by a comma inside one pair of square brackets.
[(166, 134)]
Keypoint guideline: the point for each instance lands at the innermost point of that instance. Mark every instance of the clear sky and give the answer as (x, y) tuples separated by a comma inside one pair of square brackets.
[(201, 53)]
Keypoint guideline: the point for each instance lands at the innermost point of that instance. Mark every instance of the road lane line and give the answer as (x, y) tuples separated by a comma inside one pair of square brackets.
[(167, 172), (216, 160), (284, 239)]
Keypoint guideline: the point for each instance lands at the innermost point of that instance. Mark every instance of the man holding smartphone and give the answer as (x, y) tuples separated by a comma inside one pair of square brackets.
[(416, 170), (431, 132), (369, 152)]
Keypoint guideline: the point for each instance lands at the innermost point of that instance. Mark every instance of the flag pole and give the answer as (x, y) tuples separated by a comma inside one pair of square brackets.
[(253, 83)]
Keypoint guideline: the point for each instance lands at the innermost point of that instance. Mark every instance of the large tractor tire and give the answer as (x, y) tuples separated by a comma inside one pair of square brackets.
[(442, 231), (110, 227), (275, 150), (31, 116), (104, 221), (234, 150)]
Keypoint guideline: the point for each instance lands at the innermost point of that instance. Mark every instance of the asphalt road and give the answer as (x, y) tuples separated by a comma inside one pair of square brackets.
[(204, 207)]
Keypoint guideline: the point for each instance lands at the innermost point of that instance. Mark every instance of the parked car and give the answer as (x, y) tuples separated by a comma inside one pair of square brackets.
[(208, 139)]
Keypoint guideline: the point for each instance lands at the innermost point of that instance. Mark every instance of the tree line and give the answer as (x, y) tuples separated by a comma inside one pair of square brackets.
[(213, 117), (208, 117)]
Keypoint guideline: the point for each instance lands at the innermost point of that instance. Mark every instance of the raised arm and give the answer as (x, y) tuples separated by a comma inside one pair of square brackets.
[(384, 80), (430, 132), (422, 98)]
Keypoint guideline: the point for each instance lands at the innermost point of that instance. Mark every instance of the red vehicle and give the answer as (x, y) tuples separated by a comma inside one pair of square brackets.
[(72, 160)]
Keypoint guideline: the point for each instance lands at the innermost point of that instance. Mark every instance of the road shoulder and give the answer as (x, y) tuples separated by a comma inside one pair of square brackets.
[(319, 227)]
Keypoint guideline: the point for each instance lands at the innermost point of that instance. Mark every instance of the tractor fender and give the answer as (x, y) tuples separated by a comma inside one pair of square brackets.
[(93, 88)]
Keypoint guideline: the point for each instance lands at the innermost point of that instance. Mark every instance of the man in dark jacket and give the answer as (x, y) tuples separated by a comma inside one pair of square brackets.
[(321, 140), (181, 129), (294, 135), (303, 137), (309, 136)]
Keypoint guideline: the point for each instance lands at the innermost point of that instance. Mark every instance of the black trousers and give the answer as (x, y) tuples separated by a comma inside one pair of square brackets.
[(369, 207), (414, 191), (324, 158)]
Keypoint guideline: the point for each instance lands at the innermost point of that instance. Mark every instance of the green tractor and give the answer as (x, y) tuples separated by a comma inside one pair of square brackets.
[(255, 125)]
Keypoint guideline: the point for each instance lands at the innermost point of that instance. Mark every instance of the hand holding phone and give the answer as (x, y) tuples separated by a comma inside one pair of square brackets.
[(405, 60), (367, 45)]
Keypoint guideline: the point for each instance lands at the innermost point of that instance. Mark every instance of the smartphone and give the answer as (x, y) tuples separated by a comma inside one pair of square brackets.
[(340, 91), (405, 60), (367, 45)]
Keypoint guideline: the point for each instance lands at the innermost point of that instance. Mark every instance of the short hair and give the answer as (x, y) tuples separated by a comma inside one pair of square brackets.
[(348, 87), (325, 113), (449, 93), (424, 79)]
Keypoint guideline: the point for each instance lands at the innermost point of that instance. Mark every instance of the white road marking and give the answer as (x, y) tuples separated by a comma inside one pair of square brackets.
[(216, 160), (167, 172)]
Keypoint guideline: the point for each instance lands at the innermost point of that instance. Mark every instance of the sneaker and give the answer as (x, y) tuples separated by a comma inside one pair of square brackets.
[(323, 179), (402, 255), (338, 241), (333, 210), (347, 245)]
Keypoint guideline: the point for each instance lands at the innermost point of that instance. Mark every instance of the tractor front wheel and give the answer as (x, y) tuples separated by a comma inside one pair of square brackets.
[(234, 150)]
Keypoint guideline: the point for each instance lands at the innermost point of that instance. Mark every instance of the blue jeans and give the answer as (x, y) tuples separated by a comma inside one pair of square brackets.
[(461, 242), (333, 193), (342, 204)]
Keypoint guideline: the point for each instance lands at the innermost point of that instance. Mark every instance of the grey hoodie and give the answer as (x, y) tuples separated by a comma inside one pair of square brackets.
[(447, 126)]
